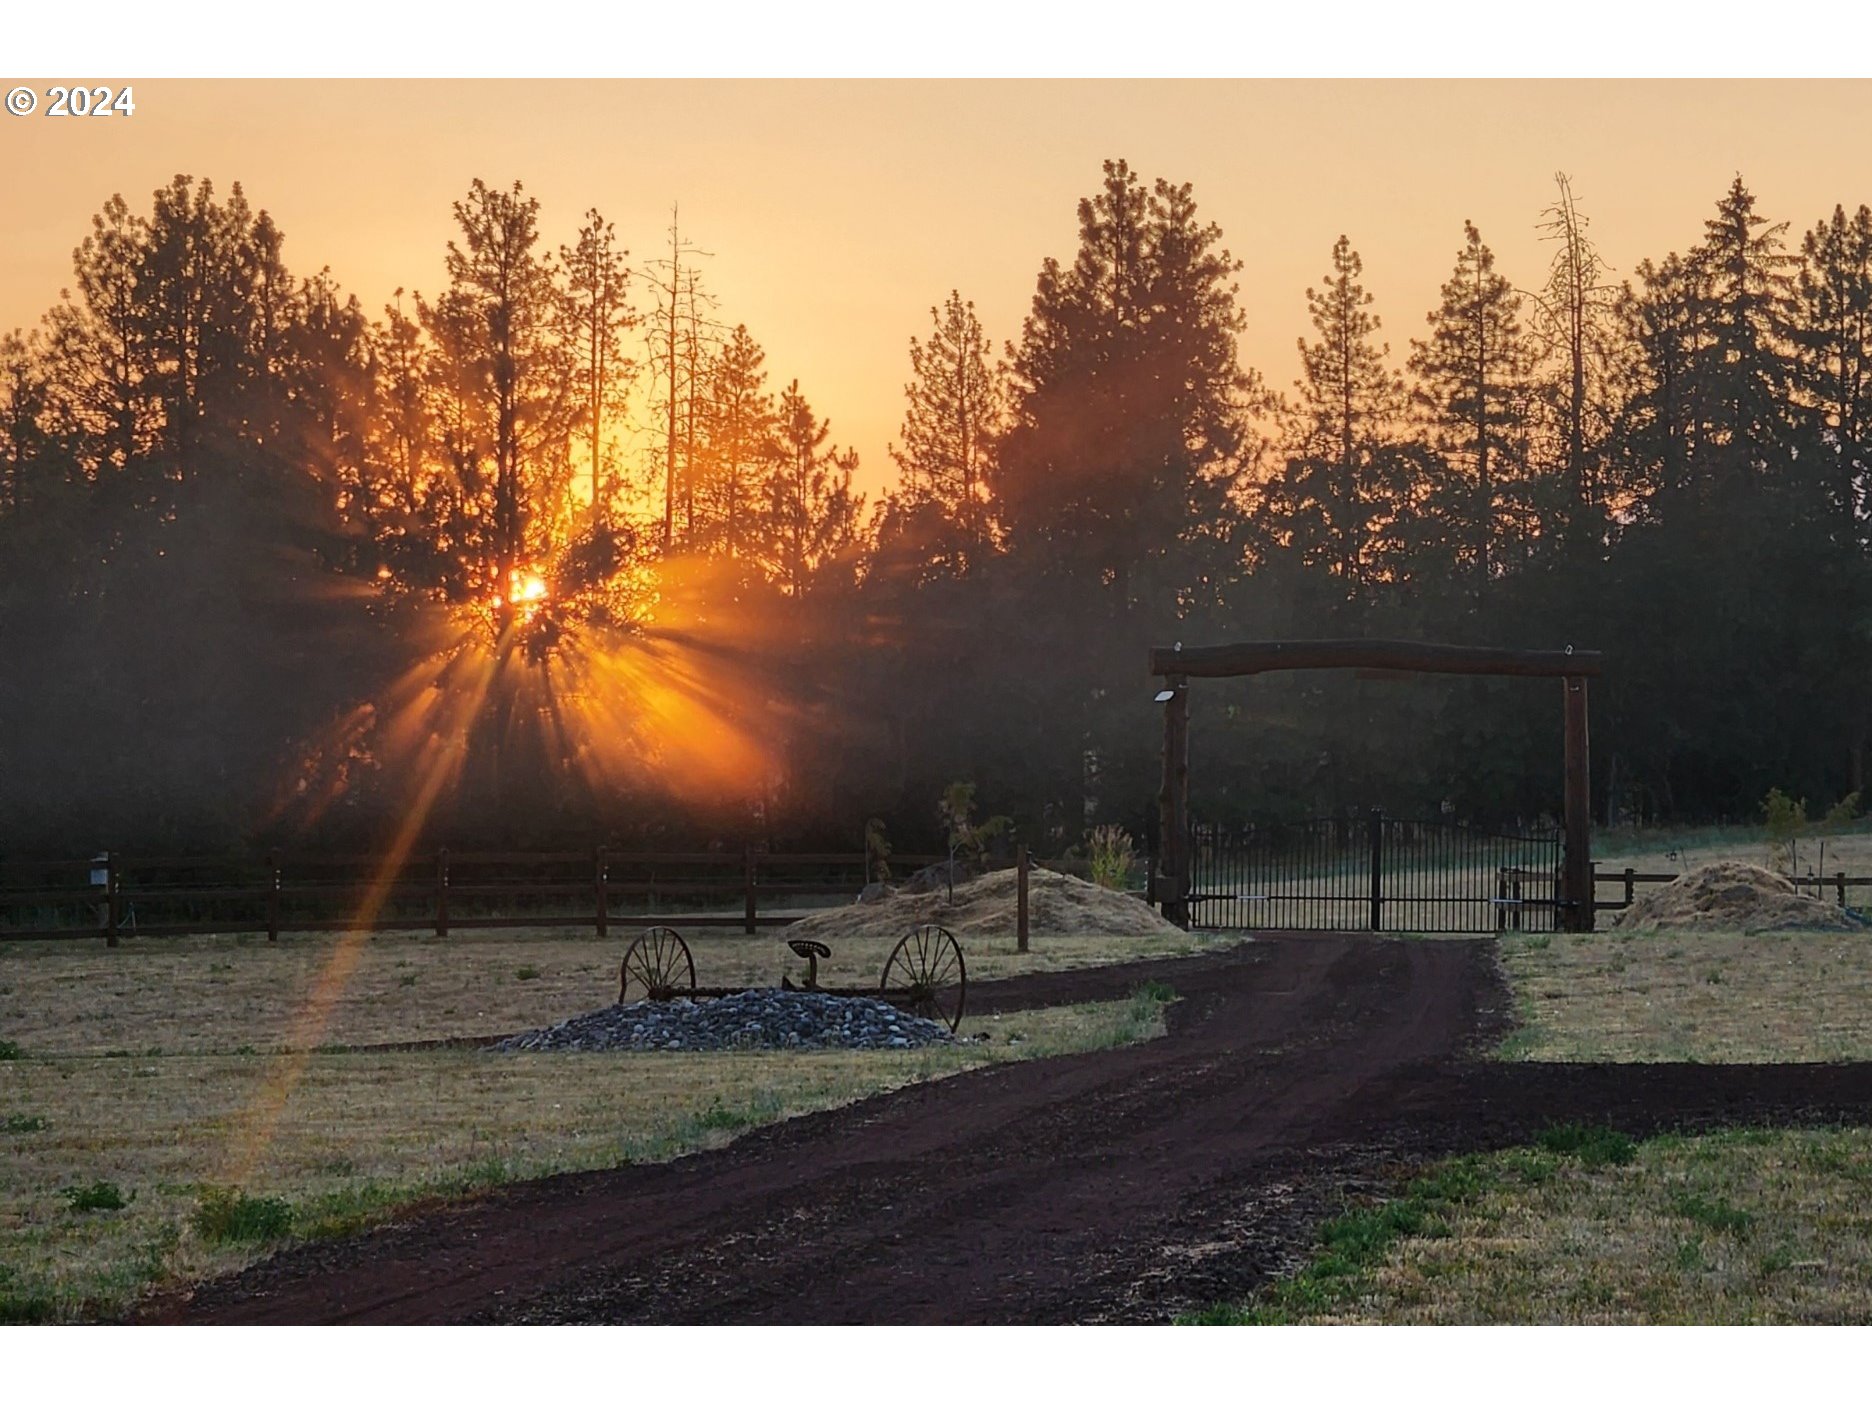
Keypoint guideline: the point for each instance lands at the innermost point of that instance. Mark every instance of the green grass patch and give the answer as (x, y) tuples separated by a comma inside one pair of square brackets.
[(526, 972), (100, 1196), (9, 1051), (1590, 1145), (19, 1124), (227, 1215)]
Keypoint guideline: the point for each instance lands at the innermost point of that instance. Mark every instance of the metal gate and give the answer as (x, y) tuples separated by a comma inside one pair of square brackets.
[(1375, 874)]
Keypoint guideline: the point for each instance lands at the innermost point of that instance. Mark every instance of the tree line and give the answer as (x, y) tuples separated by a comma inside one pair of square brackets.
[(234, 503)]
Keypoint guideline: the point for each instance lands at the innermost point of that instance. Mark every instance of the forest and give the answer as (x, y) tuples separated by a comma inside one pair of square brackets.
[(278, 568)]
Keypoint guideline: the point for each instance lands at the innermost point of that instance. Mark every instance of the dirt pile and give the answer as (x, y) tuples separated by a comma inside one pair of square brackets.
[(983, 910), (1731, 896)]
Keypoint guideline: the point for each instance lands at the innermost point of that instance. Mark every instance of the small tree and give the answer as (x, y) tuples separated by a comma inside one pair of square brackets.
[(966, 837), (1787, 821), (877, 851)]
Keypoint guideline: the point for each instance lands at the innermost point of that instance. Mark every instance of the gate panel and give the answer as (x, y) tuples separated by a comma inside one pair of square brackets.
[(1375, 874)]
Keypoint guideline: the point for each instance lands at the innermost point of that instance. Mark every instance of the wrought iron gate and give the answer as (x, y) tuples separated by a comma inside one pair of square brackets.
[(1375, 874)]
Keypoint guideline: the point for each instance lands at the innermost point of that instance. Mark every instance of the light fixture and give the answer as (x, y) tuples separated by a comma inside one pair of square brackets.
[(1165, 695)]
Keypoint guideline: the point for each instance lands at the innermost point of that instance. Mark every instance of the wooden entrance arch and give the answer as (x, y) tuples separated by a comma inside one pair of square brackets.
[(1177, 665)]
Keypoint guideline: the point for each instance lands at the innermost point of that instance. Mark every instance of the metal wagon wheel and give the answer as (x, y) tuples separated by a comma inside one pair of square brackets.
[(657, 965), (925, 974)]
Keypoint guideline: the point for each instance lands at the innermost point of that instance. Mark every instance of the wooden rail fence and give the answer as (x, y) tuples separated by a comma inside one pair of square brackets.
[(1836, 885), (116, 895)]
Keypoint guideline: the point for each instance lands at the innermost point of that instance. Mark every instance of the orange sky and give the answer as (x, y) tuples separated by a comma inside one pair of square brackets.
[(837, 212)]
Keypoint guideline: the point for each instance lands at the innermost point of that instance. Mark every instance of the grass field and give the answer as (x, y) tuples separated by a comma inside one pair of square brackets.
[(1734, 1228), (222, 994), (169, 1111), (1671, 997)]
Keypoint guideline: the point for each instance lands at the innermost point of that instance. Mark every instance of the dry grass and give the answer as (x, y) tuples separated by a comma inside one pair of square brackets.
[(1736, 1228), (225, 993), (362, 1133), (1666, 997)]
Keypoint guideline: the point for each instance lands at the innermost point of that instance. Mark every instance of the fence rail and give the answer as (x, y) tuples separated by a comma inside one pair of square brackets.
[(116, 895), (1835, 884)]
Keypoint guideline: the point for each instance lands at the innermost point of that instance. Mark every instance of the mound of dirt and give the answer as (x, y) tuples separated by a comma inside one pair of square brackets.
[(983, 910), (1731, 896)]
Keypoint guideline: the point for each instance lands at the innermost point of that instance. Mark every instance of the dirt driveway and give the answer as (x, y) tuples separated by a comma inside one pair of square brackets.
[(1119, 1186)]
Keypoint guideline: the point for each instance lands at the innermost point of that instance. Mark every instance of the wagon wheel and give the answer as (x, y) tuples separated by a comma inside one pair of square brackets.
[(658, 965), (925, 974)]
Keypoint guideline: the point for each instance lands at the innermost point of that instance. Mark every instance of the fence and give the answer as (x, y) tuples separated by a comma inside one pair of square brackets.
[(1835, 884), (116, 895)]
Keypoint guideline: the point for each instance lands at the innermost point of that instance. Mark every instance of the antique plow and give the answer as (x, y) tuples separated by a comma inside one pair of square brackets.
[(924, 973)]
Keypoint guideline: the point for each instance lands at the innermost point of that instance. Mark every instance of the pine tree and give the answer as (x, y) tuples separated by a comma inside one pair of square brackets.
[(1832, 330), (24, 441), (1341, 487), (599, 314), (99, 345), (949, 427), (499, 358), (1473, 386), (1125, 431), (738, 446), (1572, 320), (1745, 371), (812, 515)]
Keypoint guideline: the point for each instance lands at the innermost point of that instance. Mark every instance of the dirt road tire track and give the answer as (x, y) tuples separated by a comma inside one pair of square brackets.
[(1124, 1185)]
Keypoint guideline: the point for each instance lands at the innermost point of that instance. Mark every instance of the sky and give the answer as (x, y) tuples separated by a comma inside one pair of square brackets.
[(836, 213)]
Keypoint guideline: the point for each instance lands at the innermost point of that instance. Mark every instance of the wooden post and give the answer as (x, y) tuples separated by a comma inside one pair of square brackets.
[(1842, 886), (1631, 886), (747, 886), (1580, 897), (442, 892), (604, 897), (1020, 901), (273, 895), (1173, 873), (113, 912), (1377, 870)]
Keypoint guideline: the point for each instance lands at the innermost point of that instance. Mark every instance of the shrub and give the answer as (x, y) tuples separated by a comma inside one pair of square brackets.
[(18, 1125), (527, 972), (98, 1195), (227, 1215), (1786, 819), (9, 1051), (1112, 855), (1844, 812)]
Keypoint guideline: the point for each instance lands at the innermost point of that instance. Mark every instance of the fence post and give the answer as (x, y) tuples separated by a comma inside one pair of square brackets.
[(113, 914), (1841, 879), (747, 886), (1501, 899), (442, 892), (273, 894), (598, 884), (1020, 903), (1377, 870), (1631, 886)]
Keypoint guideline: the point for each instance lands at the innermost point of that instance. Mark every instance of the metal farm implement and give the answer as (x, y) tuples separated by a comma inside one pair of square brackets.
[(924, 973)]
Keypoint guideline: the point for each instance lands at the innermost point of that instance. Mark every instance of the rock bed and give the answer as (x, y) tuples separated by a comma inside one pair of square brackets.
[(752, 1019)]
